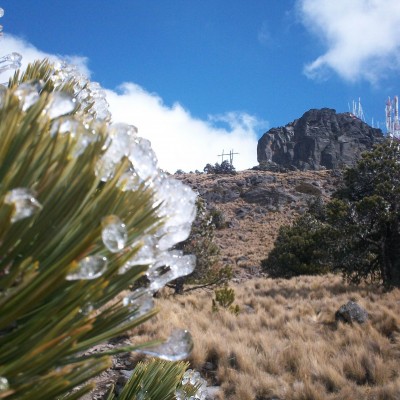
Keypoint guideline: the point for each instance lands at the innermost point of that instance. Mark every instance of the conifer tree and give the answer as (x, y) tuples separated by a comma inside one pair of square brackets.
[(357, 232)]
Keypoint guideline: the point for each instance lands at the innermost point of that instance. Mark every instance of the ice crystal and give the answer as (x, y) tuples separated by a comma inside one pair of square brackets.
[(177, 347), (24, 202), (114, 233), (60, 104), (88, 268), (146, 255), (28, 93), (4, 385), (90, 95), (168, 267), (193, 378), (140, 302), (178, 205), (10, 61)]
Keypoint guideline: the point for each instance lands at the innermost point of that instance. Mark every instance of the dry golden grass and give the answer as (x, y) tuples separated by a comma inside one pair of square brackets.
[(285, 343)]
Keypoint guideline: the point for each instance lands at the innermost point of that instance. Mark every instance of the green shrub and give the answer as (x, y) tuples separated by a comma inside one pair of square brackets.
[(299, 249), (225, 168), (218, 218), (224, 297)]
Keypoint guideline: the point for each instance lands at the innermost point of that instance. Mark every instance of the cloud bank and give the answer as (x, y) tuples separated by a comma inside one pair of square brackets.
[(30, 53), (180, 140), (362, 37)]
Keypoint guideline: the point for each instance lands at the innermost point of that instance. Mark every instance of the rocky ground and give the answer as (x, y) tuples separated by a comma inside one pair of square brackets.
[(254, 205)]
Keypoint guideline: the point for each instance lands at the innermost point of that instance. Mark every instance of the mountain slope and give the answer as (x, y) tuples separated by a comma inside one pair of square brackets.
[(254, 205)]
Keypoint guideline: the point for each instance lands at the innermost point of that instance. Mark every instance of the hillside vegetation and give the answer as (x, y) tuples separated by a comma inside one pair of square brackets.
[(285, 343)]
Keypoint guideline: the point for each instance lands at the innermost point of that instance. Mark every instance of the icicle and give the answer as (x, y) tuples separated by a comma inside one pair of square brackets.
[(10, 61), (143, 158), (177, 265), (146, 255)]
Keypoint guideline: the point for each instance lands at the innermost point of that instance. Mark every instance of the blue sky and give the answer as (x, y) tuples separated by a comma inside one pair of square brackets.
[(223, 71)]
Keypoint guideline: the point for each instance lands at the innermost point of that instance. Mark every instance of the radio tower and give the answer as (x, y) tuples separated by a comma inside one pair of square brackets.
[(392, 118), (357, 110)]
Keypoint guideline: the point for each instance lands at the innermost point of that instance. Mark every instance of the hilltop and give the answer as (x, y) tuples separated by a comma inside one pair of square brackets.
[(319, 139)]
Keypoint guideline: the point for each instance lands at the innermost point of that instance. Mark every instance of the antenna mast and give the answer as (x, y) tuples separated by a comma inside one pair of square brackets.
[(357, 110), (392, 117)]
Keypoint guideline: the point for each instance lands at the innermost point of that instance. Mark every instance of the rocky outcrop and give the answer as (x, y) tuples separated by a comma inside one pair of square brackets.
[(320, 139)]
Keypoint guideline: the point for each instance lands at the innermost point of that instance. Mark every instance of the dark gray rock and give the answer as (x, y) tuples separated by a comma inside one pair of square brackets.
[(351, 312), (260, 180), (223, 191), (270, 197), (320, 139), (243, 211)]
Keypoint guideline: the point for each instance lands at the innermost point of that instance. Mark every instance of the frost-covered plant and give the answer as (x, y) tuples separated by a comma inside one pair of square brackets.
[(192, 380), (84, 212), (158, 379)]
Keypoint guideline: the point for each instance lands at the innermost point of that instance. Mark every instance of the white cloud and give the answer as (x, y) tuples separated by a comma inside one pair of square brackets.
[(30, 53), (362, 37), (180, 140)]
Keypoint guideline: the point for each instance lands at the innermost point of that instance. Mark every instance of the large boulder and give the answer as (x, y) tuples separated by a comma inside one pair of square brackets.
[(320, 139), (351, 312)]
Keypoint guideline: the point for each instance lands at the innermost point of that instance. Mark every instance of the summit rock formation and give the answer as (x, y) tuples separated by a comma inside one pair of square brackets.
[(320, 139)]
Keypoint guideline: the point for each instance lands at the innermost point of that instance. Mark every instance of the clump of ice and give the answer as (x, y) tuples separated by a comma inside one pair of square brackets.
[(169, 266), (177, 347), (24, 202), (90, 95)]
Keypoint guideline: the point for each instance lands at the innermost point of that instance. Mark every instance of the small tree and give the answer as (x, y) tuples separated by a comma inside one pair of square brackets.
[(201, 243), (357, 233), (366, 215)]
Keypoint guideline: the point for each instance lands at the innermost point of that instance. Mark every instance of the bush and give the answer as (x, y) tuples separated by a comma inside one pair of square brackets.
[(218, 218), (224, 297), (299, 249)]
